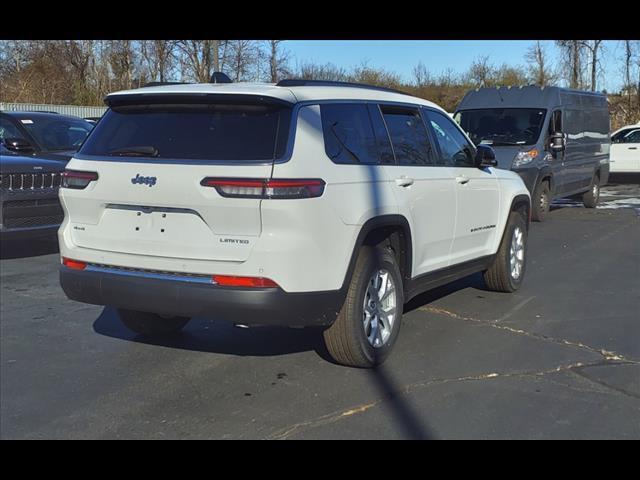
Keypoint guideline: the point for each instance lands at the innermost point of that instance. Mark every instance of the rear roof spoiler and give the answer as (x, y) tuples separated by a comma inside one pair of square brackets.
[(155, 98)]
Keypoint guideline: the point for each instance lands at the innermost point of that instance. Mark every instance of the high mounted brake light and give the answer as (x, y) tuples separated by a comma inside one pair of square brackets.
[(265, 188), (77, 180)]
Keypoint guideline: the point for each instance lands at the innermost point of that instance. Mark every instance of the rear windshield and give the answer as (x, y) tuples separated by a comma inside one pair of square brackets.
[(57, 133), (502, 126), (192, 132)]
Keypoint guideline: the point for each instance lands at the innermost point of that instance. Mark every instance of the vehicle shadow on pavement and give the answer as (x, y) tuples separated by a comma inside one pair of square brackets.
[(33, 247), (472, 281), (624, 179), (222, 337)]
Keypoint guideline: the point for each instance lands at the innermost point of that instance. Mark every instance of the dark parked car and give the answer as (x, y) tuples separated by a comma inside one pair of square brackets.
[(29, 205), (45, 135)]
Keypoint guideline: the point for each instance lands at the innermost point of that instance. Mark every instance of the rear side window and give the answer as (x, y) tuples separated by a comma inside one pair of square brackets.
[(454, 148), (348, 134), (192, 131), (409, 135)]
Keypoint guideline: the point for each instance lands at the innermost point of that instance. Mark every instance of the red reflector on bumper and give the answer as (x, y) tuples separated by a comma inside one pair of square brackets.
[(233, 281), (74, 264)]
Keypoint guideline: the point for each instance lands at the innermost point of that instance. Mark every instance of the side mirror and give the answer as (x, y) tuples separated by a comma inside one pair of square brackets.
[(485, 157), (18, 145), (558, 142)]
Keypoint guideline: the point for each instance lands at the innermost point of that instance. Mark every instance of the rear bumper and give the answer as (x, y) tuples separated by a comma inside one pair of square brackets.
[(31, 232), (264, 306)]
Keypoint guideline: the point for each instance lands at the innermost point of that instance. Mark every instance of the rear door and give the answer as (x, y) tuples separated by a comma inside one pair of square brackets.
[(151, 161), (477, 191), (425, 189)]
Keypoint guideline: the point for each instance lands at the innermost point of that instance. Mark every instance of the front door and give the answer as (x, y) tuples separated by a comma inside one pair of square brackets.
[(477, 192)]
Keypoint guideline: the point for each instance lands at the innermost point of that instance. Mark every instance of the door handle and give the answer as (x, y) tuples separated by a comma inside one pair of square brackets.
[(633, 148), (462, 179), (404, 181)]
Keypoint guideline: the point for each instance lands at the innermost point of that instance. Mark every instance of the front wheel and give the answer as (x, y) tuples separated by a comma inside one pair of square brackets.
[(368, 323), (507, 271), (146, 323), (541, 201)]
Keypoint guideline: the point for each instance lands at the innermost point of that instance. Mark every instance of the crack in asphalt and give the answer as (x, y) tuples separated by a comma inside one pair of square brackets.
[(287, 432), (606, 354), (608, 358)]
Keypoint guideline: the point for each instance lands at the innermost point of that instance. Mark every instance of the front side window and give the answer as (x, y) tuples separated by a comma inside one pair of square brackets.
[(627, 136), (198, 131), (409, 135), (633, 137), (56, 134), (348, 134), (502, 126), (454, 147)]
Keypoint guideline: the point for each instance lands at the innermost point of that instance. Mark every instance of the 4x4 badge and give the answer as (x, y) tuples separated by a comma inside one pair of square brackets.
[(151, 181)]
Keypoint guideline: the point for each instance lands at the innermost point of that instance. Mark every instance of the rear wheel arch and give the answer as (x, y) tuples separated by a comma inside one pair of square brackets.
[(390, 230)]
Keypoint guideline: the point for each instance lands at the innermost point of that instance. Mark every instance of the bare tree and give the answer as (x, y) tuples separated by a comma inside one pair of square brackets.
[(540, 71), (159, 57), (592, 47), (571, 63), (243, 59), (278, 59), (197, 59), (421, 76), (480, 72)]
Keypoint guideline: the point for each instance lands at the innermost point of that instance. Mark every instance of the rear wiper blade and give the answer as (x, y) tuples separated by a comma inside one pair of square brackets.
[(142, 151)]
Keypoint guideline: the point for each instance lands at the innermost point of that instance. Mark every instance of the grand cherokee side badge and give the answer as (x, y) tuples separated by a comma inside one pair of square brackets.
[(138, 179)]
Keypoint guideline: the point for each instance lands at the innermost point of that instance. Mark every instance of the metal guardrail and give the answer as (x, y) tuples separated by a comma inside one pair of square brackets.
[(76, 110)]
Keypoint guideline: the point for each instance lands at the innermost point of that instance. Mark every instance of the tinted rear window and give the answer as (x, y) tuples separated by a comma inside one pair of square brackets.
[(193, 132), (56, 132)]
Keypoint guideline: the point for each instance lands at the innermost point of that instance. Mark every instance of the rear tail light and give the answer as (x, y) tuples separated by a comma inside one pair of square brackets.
[(264, 188), (77, 180), (74, 264), (251, 282)]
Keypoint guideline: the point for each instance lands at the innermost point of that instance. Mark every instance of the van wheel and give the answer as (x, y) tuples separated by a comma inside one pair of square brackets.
[(367, 326), (541, 201), (590, 198), (146, 323), (507, 271)]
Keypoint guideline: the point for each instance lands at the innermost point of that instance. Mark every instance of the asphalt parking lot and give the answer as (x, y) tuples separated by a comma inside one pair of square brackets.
[(558, 359)]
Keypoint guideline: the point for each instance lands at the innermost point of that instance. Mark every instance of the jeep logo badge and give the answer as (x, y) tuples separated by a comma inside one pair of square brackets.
[(151, 181)]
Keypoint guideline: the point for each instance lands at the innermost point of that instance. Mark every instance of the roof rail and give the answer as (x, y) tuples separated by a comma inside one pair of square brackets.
[(159, 84), (295, 82)]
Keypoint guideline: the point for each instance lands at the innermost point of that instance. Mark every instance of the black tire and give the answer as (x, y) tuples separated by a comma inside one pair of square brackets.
[(145, 323), (541, 201), (499, 277), (346, 340), (591, 197)]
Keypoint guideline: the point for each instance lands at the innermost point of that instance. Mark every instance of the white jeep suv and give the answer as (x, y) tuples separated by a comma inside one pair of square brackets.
[(304, 203)]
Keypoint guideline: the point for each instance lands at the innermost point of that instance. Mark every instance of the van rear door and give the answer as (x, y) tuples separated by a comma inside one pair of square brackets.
[(152, 156)]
